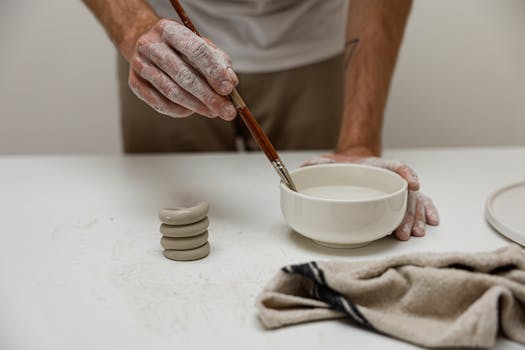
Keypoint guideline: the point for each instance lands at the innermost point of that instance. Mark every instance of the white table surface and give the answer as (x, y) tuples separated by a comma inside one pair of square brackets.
[(81, 264)]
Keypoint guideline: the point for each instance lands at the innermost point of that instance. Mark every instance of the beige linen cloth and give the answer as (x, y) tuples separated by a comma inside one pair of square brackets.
[(430, 299)]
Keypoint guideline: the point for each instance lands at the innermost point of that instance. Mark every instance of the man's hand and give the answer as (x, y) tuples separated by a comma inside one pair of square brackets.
[(420, 209), (179, 73), (173, 70)]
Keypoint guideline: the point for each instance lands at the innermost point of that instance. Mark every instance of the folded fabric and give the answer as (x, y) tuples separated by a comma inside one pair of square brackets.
[(429, 299)]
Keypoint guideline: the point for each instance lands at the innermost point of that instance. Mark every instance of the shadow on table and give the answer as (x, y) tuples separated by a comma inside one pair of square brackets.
[(378, 247)]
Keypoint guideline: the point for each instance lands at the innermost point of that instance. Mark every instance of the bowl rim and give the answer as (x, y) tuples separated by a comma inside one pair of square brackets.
[(403, 188)]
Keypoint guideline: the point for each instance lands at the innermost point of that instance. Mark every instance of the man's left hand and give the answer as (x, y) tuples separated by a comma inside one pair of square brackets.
[(420, 208)]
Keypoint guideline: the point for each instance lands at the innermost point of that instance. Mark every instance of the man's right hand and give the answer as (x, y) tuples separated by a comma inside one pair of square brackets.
[(179, 73)]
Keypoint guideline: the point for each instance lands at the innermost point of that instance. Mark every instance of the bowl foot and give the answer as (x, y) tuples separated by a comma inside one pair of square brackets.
[(342, 245)]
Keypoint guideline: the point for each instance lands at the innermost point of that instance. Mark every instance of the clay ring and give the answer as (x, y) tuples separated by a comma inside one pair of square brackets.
[(187, 255), (185, 243), (184, 216), (190, 230)]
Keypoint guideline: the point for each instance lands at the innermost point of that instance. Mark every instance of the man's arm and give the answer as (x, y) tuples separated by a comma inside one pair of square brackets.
[(379, 25), (124, 21)]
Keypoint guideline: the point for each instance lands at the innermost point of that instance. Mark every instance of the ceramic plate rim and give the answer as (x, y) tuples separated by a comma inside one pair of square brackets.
[(492, 219)]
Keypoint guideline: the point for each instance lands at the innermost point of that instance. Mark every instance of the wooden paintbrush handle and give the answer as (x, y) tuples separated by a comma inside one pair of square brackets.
[(248, 118), (254, 127), (183, 17)]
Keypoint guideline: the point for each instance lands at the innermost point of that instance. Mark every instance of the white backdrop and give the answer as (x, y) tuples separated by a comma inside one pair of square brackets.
[(460, 80)]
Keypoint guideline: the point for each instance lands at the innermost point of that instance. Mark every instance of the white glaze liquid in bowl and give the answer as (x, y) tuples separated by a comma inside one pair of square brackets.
[(358, 193)]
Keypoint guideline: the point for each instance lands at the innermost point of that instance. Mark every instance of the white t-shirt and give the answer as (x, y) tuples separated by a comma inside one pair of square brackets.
[(268, 35)]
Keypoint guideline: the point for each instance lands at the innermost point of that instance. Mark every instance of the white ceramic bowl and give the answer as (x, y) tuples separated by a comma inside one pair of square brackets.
[(357, 217)]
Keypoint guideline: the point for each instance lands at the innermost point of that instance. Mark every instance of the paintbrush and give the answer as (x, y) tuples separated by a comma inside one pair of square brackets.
[(247, 117)]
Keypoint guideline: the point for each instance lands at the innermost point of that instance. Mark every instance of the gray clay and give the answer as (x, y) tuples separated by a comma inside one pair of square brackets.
[(190, 230), (184, 216), (187, 255), (184, 243)]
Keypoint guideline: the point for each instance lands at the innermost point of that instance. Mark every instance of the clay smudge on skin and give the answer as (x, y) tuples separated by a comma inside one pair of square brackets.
[(210, 60), (171, 90), (187, 77)]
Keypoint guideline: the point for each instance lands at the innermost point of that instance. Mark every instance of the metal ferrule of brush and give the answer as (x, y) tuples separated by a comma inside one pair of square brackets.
[(283, 172)]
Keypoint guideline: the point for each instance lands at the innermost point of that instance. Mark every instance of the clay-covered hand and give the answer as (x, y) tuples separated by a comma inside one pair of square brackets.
[(420, 209), (179, 73)]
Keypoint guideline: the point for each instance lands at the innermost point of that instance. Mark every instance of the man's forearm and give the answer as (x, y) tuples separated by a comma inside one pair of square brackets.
[(379, 25), (124, 20)]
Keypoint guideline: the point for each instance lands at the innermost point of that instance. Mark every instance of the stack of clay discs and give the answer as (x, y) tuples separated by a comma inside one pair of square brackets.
[(185, 232)]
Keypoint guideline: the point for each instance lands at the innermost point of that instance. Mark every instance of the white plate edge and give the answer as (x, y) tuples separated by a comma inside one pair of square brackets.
[(495, 223)]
